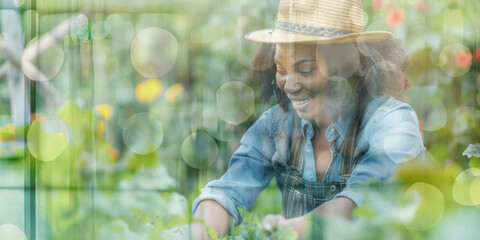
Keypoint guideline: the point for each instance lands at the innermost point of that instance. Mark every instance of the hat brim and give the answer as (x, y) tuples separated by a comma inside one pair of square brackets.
[(280, 36)]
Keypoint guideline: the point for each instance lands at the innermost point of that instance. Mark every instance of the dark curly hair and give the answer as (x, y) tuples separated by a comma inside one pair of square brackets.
[(382, 72)]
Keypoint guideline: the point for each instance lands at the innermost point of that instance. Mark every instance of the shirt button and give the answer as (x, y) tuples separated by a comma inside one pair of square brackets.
[(311, 176), (333, 188), (335, 154)]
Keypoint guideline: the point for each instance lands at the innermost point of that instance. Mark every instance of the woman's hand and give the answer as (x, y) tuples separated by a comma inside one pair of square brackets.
[(298, 224)]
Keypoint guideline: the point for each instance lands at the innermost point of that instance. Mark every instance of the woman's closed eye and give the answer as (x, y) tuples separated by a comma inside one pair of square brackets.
[(306, 72), (281, 71)]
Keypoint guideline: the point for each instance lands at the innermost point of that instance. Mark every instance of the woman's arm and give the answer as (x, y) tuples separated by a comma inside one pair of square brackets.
[(211, 214), (341, 207), (249, 172), (338, 207)]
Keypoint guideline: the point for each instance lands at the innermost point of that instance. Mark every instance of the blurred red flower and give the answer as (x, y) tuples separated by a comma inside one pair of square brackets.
[(463, 59), (395, 17), (377, 4), (422, 6), (477, 54)]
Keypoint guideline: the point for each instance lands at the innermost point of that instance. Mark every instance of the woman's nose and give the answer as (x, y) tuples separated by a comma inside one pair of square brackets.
[(292, 84)]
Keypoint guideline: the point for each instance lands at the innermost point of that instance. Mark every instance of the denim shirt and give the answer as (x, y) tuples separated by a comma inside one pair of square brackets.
[(389, 135)]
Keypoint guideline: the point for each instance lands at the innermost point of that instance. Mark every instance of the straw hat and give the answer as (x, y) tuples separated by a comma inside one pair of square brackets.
[(318, 21)]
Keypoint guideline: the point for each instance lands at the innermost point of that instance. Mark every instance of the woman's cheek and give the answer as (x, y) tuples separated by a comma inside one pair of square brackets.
[(280, 81), (317, 83)]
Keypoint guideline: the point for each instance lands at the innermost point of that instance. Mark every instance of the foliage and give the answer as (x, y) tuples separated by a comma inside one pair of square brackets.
[(101, 187)]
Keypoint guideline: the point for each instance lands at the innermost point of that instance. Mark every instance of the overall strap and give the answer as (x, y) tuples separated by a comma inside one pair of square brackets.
[(350, 142), (347, 157), (296, 159)]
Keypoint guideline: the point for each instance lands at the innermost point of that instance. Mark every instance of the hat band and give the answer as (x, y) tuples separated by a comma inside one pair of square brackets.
[(311, 30)]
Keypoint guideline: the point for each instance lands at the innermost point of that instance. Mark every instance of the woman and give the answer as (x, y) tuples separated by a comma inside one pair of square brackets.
[(338, 123)]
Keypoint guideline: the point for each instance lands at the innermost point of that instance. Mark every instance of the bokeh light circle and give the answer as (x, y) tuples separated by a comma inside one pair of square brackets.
[(398, 143), (48, 62), (122, 31), (429, 108), (9, 231), (100, 29), (455, 60), (235, 102), (429, 204), (124, 114), (47, 138), (475, 191), (462, 185), (79, 27), (143, 134), (199, 150), (154, 52), (466, 118), (215, 126)]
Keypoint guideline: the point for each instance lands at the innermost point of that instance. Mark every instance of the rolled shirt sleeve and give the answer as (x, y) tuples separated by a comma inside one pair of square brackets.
[(393, 137), (249, 171)]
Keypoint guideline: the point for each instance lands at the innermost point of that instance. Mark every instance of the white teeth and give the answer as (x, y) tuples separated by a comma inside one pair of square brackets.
[(301, 102)]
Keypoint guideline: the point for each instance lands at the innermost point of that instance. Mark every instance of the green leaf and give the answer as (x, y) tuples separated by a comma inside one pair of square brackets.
[(363, 212), (472, 150), (212, 234)]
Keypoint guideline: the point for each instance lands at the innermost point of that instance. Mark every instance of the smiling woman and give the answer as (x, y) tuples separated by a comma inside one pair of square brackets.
[(338, 124)]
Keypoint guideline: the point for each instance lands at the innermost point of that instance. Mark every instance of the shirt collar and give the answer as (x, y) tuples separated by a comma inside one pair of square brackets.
[(340, 125), (338, 128)]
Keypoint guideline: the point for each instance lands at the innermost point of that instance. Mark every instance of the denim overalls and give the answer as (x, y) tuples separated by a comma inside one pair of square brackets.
[(300, 197)]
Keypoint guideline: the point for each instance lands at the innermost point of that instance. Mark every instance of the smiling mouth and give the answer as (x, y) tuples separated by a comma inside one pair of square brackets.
[(300, 102)]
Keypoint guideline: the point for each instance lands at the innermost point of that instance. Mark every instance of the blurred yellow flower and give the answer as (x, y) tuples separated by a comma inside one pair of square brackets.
[(173, 91), (7, 132), (113, 153), (101, 127), (105, 110), (148, 91)]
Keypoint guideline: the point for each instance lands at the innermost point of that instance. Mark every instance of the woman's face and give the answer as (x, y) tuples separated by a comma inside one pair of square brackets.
[(302, 74), (304, 70)]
